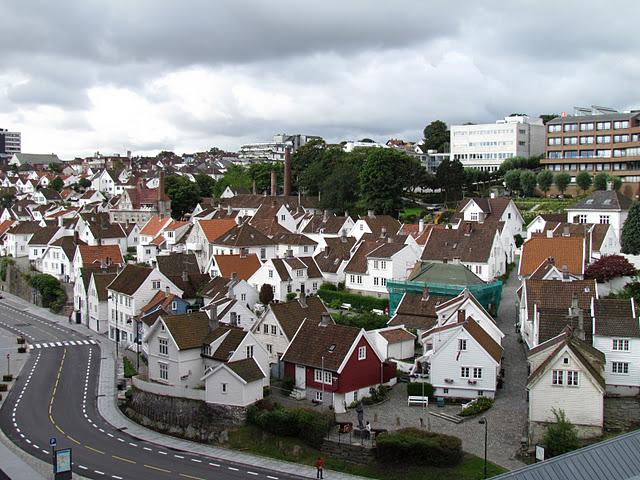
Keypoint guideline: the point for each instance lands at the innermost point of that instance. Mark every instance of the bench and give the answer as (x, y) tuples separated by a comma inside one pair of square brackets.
[(377, 311), (345, 306), (417, 400), (468, 404)]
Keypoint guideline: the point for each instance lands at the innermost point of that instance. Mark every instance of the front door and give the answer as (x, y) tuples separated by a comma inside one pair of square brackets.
[(301, 378)]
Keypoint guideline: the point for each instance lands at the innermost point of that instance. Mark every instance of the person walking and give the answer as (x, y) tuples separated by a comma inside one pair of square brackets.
[(319, 467)]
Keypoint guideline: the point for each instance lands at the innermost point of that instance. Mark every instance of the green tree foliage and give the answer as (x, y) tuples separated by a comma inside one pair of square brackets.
[(205, 184), (450, 177), (51, 292), (309, 154), (235, 177), (382, 178), (517, 163), (84, 183), (474, 178), (584, 180), (562, 181), (184, 194), (266, 294), (436, 136), (57, 184), (561, 436), (630, 237), (527, 182), (617, 182), (6, 199), (600, 181), (54, 167), (512, 180), (545, 180), (340, 188), (261, 174)]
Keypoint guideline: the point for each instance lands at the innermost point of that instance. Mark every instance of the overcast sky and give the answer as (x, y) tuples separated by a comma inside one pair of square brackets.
[(145, 75)]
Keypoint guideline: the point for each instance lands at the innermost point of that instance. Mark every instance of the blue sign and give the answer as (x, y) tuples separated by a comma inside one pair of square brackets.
[(53, 442), (63, 460)]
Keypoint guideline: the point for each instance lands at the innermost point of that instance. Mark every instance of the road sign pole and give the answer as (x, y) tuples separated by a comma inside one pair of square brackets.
[(8, 364)]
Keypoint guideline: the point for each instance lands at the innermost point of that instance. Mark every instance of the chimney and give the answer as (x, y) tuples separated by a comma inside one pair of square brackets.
[(425, 294), (167, 290), (302, 299), (370, 213), (325, 216), (75, 237), (461, 316), (185, 276), (580, 330), (565, 231), (383, 232), (326, 250), (253, 187), (287, 171), (565, 273), (343, 235), (325, 319), (60, 221), (230, 286), (573, 310), (234, 277), (229, 211), (160, 187), (549, 233), (213, 317), (492, 195), (243, 252), (421, 225), (274, 183), (609, 185)]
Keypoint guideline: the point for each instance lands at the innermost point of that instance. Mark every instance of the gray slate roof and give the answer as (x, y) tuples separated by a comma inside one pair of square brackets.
[(603, 200), (615, 459), (37, 158), (605, 117)]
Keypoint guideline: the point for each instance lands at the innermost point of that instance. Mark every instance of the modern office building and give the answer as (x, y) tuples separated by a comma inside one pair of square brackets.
[(485, 146), (273, 151), (10, 143), (595, 139)]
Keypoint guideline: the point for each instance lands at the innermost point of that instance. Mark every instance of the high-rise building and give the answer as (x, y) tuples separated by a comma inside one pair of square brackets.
[(485, 146), (595, 139), (9, 143), (273, 151)]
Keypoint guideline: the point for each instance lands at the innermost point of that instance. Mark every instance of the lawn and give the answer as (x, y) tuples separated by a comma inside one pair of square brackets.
[(254, 440)]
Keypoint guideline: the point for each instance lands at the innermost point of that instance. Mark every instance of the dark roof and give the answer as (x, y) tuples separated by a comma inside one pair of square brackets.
[(471, 242), (24, 228), (188, 330), (43, 235), (485, 340), (243, 236), (417, 310), (336, 251), (594, 118), (615, 318), (247, 369), (603, 200), (130, 278), (492, 207), (182, 269), (283, 273), (68, 245), (293, 239), (230, 342), (291, 314), (448, 273), (328, 225), (321, 346), (102, 280), (379, 224)]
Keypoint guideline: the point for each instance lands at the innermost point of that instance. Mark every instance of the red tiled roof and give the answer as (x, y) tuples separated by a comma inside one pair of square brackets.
[(100, 253), (567, 251), (242, 265), (154, 225), (216, 227)]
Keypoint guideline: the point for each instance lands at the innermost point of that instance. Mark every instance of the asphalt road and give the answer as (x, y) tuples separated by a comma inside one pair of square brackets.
[(55, 396)]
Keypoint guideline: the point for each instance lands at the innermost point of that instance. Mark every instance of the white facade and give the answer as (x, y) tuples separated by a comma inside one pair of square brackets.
[(271, 336), (622, 368), (615, 218), (224, 387), (98, 310), (486, 146)]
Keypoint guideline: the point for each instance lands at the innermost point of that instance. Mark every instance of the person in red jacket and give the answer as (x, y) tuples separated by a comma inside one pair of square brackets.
[(319, 467)]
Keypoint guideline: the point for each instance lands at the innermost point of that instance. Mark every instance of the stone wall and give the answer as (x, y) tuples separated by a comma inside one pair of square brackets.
[(184, 418), (16, 284), (621, 414), (348, 452), (537, 430)]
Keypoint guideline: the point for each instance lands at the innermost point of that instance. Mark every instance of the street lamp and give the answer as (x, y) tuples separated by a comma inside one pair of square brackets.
[(483, 421)]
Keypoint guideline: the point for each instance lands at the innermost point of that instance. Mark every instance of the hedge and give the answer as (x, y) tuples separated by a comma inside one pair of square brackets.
[(414, 389), (49, 287), (309, 426), (357, 302), (482, 404), (418, 447)]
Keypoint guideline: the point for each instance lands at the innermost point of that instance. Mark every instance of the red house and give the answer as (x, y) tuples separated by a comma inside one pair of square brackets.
[(334, 364)]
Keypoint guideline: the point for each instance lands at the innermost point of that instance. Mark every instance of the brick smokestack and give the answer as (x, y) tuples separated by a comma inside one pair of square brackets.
[(287, 171), (274, 183)]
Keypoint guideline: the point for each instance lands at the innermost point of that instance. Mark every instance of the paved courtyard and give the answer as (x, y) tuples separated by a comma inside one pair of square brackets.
[(506, 419)]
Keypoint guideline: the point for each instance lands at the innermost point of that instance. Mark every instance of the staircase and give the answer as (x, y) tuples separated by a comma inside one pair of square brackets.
[(447, 417), (298, 394)]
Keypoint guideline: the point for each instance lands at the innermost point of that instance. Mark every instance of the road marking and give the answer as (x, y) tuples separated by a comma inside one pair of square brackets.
[(147, 449), (99, 472), (252, 473), (158, 469), (94, 449), (110, 435), (191, 476), (178, 456), (214, 464), (272, 478), (73, 439), (83, 467), (116, 477), (233, 469), (133, 444), (28, 441), (123, 459), (162, 453), (196, 460)]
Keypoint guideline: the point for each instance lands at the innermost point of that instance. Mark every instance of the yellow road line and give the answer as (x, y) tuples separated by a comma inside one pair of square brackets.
[(73, 439), (158, 468), (94, 449), (59, 429), (123, 459), (190, 476)]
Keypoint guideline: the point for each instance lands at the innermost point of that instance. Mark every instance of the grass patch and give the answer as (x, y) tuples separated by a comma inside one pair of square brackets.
[(254, 440)]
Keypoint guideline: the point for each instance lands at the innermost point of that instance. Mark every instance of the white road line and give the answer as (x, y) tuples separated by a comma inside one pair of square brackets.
[(233, 469), (214, 464), (59, 344), (110, 434), (162, 453), (196, 460), (178, 456), (28, 441), (252, 473), (36, 446), (83, 467), (116, 477), (133, 444), (45, 451), (120, 440), (71, 342), (99, 472), (272, 478), (147, 449)]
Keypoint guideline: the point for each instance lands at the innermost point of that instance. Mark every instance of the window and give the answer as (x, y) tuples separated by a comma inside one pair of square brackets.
[(352, 278), (376, 281), (570, 127), (315, 285), (603, 139), (604, 219), (464, 372), (376, 264), (603, 125), (462, 344), (359, 279), (234, 318), (383, 282), (318, 396), (477, 372), (243, 297), (163, 370), (570, 140), (554, 141), (163, 346), (263, 253), (558, 377), (619, 344), (249, 351), (317, 375), (174, 305), (207, 350), (270, 273), (155, 284), (362, 353), (224, 388), (585, 127), (620, 367), (572, 378), (265, 328), (289, 288), (323, 376), (582, 219), (445, 390), (621, 138), (300, 273), (478, 269), (269, 348), (274, 330), (586, 140), (620, 124), (474, 216), (283, 217), (305, 249), (555, 128)]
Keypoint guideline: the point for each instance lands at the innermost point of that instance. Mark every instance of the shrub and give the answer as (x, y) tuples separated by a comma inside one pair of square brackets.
[(608, 267), (4, 264), (368, 320), (20, 340), (129, 369), (358, 302), (518, 240), (53, 295), (561, 436), (328, 286), (266, 391), (287, 384), (414, 389), (22, 350), (482, 404), (376, 395), (291, 296), (128, 394), (414, 446)]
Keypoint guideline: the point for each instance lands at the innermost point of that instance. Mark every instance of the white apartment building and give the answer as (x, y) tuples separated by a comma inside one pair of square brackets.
[(485, 146), (273, 151), (10, 143)]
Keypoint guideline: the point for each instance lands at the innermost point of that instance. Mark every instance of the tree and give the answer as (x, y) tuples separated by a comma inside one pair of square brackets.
[(562, 181), (57, 184), (54, 167), (436, 136), (235, 177), (450, 176), (608, 267), (630, 237), (561, 436), (266, 294), (527, 182), (512, 180), (340, 188), (600, 181), (381, 180), (184, 194), (261, 174), (6, 199), (617, 182), (84, 183), (583, 180), (205, 184), (545, 180)]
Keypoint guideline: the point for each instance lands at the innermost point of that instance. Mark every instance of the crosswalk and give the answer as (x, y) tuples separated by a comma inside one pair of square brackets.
[(64, 343)]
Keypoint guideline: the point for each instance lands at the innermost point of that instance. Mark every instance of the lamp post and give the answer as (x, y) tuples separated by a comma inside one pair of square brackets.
[(115, 300), (483, 421), (138, 344)]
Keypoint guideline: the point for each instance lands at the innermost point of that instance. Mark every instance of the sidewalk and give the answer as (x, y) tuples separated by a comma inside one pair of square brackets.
[(111, 413)]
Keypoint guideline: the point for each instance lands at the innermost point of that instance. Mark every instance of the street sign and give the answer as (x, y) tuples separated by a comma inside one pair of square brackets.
[(62, 464), (53, 442), (539, 453)]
